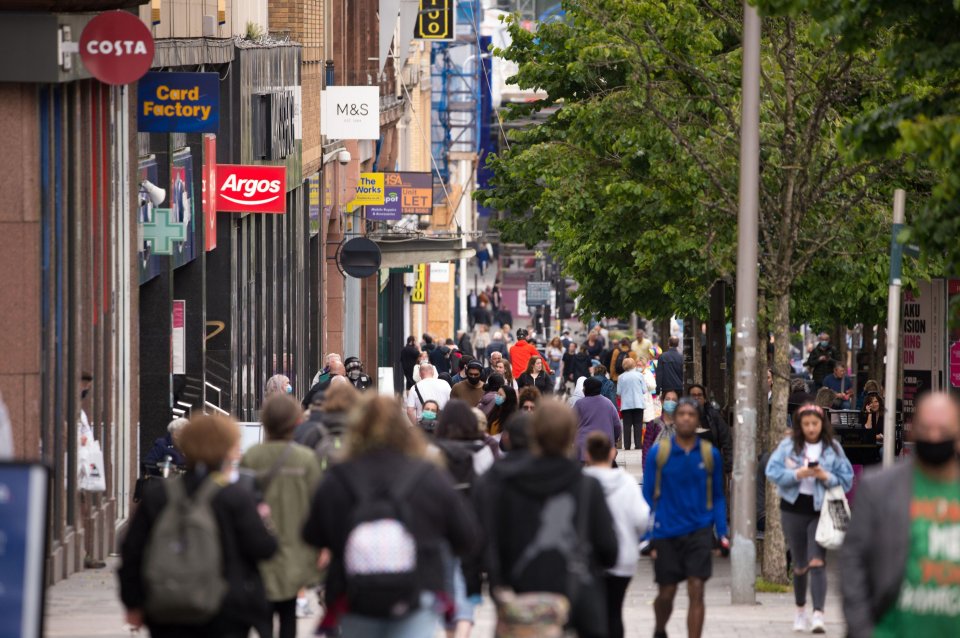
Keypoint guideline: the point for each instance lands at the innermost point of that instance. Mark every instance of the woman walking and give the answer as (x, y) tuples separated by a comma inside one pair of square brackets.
[(804, 466), (536, 376)]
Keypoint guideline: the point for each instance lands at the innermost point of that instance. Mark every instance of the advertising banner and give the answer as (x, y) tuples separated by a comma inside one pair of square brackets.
[(923, 342), (208, 191), (24, 495), (251, 189), (350, 112), (181, 202), (369, 191), (178, 341), (405, 193), (419, 293), (178, 103), (953, 293), (313, 186)]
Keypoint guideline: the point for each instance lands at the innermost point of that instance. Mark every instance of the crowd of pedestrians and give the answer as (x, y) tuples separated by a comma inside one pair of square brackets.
[(404, 511)]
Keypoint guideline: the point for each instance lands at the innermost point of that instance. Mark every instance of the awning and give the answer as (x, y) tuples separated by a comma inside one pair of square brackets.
[(396, 253)]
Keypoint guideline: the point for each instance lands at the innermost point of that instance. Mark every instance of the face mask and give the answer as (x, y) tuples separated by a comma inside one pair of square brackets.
[(289, 389), (499, 399), (474, 380), (935, 454), (669, 407), (354, 374), (429, 415), (824, 344), (84, 393)]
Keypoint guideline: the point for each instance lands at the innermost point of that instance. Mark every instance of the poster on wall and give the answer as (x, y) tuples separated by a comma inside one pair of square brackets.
[(150, 265), (953, 294), (923, 342), (181, 202), (313, 190), (178, 340)]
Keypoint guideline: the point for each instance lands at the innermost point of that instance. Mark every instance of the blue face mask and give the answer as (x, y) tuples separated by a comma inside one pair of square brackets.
[(824, 344), (289, 389), (429, 415), (499, 399), (669, 407)]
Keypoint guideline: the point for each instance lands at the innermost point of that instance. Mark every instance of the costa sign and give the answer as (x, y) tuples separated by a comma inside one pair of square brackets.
[(251, 189), (116, 47)]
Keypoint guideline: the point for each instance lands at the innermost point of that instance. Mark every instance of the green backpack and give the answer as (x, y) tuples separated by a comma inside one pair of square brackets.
[(706, 451), (183, 565)]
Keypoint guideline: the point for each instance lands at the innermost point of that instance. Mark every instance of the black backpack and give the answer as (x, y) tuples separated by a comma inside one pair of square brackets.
[(618, 366), (380, 555)]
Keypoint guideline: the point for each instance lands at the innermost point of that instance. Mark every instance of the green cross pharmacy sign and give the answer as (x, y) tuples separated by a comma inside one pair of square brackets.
[(163, 231)]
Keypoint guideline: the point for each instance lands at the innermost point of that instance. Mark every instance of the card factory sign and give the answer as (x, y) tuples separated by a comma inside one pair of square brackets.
[(178, 103)]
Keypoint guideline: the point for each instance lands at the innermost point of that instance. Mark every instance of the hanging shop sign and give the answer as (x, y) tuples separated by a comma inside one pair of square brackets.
[(178, 340), (350, 112), (359, 257), (404, 194), (163, 230), (369, 191), (116, 47), (419, 292), (251, 189), (208, 191), (435, 21), (178, 103)]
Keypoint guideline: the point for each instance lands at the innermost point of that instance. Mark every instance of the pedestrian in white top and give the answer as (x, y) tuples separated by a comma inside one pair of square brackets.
[(630, 517), (428, 388)]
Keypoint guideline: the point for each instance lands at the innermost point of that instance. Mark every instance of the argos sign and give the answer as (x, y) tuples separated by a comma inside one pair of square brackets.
[(116, 47), (251, 189)]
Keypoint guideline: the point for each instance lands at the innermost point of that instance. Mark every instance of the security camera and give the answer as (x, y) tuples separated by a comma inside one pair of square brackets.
[(343, 156), (154, 193)]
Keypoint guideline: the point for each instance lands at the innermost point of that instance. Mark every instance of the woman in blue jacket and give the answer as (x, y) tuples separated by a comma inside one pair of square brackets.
[(804, 466)]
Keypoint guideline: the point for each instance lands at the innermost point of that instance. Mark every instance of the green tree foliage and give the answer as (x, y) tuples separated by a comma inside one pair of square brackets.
[(631, 170), (919, 119)]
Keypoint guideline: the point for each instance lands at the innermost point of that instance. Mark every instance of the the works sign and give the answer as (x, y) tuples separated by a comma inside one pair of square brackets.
[(251, 189), (178, 103)]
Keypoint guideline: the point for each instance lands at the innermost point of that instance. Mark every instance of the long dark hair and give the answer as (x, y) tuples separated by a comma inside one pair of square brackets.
[(826, 430), (505, 411), (458, 422)]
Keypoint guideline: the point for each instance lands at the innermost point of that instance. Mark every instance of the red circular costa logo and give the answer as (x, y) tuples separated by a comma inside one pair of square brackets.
[(116, 47)]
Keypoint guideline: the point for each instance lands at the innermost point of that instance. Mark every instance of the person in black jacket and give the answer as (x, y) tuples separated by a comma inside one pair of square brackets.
[(715, 428), (408, 360), (531, 510), (207, 442), (821, 360), (670, 368), (381, 450)]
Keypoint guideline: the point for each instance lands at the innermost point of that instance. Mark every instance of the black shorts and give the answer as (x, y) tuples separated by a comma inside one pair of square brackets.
[(683, 557)]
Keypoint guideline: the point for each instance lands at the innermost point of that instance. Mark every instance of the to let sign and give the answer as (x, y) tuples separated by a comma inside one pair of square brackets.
[(251, 189), (178, 103), (116, 47)]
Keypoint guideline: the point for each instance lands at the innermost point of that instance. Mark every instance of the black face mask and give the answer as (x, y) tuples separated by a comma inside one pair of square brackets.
[(84, 393), (474, 380), (935, 454)]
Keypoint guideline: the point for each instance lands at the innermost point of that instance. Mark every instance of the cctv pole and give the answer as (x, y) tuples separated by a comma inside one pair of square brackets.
[(743, 551), (893, 330)]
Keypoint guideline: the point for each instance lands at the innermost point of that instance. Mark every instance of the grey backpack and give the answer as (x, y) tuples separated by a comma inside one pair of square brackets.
[(183, 565)]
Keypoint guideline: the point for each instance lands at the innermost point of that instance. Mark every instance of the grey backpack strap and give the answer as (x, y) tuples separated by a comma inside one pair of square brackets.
[(271, 474)]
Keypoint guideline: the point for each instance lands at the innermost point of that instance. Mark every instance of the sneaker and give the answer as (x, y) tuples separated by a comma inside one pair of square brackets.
[(802, 622), (303, 608), (817, 625)]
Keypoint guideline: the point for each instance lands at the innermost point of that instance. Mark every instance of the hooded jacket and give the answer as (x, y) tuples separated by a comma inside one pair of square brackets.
[(511, 500), (520, 355), (630, 512)]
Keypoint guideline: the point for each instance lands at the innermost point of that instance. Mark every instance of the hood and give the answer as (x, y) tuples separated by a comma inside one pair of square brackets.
[(487, 404), (611, 479), (542, 476)]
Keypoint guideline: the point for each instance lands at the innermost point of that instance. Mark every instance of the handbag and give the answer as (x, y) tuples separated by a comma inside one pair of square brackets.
[(90, 464), (531, 615), (834, 519)]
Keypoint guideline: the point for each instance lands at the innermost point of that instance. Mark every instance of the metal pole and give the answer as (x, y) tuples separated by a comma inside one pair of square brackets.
[(893, 330), (743, 551)]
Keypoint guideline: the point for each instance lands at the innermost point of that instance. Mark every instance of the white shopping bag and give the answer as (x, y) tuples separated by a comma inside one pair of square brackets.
[(834, 518), (90, 465)]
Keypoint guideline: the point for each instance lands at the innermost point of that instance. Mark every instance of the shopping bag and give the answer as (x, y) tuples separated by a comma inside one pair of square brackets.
[(834, 519), (90, 464)]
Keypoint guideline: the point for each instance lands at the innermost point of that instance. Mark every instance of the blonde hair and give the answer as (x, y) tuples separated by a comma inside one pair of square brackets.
[(208, 439), (277, 384), (379, 423), (629, 364)]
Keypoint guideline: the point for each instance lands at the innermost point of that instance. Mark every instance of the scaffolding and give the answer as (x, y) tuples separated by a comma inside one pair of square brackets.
[(456, 75)]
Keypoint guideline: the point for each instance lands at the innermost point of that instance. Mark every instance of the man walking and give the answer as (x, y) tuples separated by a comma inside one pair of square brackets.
[(428, 388), (641, 345), (471, 388), (670, 368), (821, 360), (632, 390), (901, 555), (685, 490)]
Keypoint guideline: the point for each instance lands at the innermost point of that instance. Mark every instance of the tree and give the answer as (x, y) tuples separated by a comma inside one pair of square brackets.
[(919, 119), (634, 177)]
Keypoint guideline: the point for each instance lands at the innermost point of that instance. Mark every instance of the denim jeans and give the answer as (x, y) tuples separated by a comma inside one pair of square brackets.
[(422, 623)]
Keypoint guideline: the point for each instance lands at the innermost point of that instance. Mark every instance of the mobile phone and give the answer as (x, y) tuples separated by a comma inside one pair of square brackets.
[(812, 464)]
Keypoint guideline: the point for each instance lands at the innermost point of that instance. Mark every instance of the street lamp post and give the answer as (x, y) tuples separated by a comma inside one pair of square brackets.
[(743, 551), (893, 328)]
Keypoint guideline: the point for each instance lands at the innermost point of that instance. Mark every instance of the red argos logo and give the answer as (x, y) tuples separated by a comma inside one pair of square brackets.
[(251, 189)]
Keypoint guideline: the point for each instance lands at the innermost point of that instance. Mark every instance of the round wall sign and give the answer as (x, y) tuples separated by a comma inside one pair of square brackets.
[(359, 257), (116, 47)]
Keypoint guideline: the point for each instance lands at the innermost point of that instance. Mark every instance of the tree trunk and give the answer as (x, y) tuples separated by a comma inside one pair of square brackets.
[(663, 332), (774, 567), (868, 351)]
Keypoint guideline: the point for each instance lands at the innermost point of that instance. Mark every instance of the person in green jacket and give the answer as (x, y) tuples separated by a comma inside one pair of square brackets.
[(287, 475)]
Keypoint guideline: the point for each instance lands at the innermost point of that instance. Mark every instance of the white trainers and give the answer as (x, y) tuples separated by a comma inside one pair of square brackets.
[(303, 608), (817, 626), (802, 622)]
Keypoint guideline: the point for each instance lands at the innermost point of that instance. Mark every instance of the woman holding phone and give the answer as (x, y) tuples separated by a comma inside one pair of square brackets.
[(803, 467)]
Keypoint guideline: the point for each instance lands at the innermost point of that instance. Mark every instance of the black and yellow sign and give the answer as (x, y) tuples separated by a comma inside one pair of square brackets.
[(419, 292), (436, 20)]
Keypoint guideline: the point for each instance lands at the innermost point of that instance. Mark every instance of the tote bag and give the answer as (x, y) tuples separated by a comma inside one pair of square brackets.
[(90, 462), (834, 519)]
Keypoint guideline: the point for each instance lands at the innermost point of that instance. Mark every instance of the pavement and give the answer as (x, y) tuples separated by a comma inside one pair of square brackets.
[(86, 604)]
